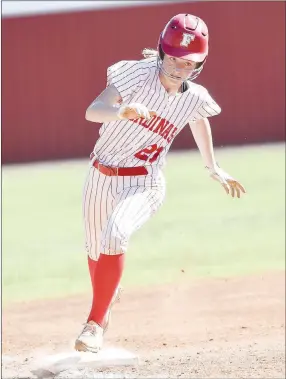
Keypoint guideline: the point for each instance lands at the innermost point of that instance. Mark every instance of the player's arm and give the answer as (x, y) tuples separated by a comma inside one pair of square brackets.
[(103, 109), (201, 131)]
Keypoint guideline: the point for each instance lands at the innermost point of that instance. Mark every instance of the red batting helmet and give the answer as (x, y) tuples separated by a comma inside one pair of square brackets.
[(185, 36)]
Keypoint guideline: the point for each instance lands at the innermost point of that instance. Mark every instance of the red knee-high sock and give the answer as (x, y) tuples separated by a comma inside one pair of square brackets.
[(92, 267), (108, 274)]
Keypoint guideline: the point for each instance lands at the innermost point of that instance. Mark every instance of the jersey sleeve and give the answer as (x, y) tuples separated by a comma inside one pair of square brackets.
[(207, 107), (126, 76)]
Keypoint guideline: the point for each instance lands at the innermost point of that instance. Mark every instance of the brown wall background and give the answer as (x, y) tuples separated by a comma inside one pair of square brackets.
[(54, 65)]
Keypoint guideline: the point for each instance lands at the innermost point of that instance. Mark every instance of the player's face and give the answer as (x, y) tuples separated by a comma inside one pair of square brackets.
[(178, 68)]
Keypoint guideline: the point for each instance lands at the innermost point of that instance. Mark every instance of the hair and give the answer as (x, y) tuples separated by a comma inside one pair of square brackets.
[(149, 52)]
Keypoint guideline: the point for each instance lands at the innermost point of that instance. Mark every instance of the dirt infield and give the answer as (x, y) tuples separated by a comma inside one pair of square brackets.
[(215, 328)]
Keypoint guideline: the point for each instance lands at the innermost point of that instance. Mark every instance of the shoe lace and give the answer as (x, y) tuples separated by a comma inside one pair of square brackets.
[(89, 329)]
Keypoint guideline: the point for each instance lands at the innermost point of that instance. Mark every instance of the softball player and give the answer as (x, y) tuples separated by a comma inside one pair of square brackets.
[(144, 106)]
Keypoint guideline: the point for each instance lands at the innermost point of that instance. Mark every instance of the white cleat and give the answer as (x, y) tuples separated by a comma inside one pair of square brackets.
[(90, 339)]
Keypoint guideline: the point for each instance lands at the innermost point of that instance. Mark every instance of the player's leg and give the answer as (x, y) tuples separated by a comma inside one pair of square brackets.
[(86, 213), (98, 203), (135, 206)]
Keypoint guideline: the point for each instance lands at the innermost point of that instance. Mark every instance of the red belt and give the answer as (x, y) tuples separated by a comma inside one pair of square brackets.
[(118, 171)]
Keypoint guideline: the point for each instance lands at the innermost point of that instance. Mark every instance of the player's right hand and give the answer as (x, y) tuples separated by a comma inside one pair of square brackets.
[(135, 110)]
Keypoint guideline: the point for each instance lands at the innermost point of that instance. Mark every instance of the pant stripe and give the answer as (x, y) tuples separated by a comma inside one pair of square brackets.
[(150, 205), (111, 226), (87, 208), (95, 178)]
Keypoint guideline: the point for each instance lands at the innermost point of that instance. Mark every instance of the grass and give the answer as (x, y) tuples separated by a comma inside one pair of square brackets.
[(199, 229)]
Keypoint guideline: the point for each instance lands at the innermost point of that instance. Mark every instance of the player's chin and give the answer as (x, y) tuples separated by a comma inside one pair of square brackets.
[(176, 78)]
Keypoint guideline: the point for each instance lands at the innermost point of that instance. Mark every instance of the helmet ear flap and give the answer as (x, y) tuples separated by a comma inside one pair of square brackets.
[(200, 64), (161, 52)]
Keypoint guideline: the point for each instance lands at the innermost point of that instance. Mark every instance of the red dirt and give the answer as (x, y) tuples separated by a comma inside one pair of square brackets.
[(205, 328)]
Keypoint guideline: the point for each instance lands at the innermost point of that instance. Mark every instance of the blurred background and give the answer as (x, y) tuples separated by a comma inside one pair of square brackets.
[(55, 64), (54, 61)]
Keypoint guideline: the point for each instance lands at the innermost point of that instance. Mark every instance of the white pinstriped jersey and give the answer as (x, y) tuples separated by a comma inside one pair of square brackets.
[(129, 143)]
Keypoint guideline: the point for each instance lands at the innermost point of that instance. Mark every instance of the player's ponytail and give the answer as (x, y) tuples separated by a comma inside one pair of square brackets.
[(149, 53), (152, 53)]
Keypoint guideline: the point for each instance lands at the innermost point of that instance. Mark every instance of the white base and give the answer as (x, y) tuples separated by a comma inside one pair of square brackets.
[(76, 360), (7, 359)]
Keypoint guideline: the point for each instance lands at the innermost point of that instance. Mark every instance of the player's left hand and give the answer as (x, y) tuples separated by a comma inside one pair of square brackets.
[(230, 185)]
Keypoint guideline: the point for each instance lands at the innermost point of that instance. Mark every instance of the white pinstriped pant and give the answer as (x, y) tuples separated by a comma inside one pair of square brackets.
[(115, 206)]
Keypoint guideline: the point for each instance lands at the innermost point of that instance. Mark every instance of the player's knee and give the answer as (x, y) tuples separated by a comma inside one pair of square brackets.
[(92, 251), (113, 245)]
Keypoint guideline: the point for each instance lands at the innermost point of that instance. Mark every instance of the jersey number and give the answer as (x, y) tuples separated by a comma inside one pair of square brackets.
[(150, 153)]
